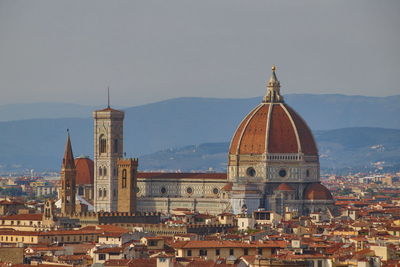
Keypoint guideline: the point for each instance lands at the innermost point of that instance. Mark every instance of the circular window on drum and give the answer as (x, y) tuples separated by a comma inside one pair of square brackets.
[(189, 190), (282, 173), (163, 190), (251, 172), (215, 191)]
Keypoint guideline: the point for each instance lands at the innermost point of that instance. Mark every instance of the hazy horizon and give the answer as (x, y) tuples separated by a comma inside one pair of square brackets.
[(150, 51), (178, 97)]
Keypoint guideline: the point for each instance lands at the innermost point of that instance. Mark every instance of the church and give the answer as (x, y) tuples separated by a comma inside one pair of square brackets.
[(272, 164)]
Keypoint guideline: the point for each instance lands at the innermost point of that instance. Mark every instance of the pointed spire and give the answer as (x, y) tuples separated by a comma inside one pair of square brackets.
[(68, 160), (273, 89), (108, 97)]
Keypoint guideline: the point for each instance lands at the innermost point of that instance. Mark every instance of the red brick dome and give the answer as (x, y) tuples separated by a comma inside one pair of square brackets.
[(284, 187), (317, 191), (84, 170), (273, 128)]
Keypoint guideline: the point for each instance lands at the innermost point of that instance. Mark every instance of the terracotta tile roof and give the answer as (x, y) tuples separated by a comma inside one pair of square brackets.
[(109, 228), (123, 262), (282, 136), (235, 143), (308, 144), (227, 244), (74, 257), (181, 175), (22, 217), (253, 136), (284, 187), (317, 191), (109, 110), (42, 265), (47, 248), (151, 262), (19, 233), (70, 232), (227, 187), (288, 132), (84, 171)]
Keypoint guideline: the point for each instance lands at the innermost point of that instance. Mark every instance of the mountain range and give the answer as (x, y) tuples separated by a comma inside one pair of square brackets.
[(347, 150), (38, 142)]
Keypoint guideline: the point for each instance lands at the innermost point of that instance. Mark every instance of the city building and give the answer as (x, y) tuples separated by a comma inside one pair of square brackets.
[(273, 165)]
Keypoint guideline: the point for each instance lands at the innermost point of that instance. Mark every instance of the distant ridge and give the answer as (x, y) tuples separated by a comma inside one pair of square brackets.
[(347, 150), (38, 143)]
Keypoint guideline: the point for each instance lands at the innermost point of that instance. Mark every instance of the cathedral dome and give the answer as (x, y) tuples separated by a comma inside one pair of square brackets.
[(84, 170), (273, 127), (284, 187), (317, 191)]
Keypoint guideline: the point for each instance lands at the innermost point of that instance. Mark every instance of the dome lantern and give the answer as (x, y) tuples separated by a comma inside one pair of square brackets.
[(273, 94)]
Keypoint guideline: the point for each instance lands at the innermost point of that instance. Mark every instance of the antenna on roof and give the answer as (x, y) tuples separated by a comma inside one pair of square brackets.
[(108, 97)]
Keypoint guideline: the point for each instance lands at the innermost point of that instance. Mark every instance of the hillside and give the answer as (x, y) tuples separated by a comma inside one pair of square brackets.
[(38, 143), (342, 151)]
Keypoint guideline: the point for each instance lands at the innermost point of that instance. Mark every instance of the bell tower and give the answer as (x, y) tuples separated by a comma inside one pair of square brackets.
[(108, 148), (68, 180), (127, 185)]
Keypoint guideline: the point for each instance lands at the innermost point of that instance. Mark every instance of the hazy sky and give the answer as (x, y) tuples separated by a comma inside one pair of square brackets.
[(70, 51)]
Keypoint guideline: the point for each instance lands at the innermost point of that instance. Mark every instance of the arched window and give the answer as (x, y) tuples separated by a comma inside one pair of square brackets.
[(80, 190), (104, 192), (124, 178), (100, 171), (103, 144), (100, 193), (115, 145), (104, 171)]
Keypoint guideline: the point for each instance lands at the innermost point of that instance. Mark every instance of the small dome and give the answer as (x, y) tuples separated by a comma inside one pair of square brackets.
[(317, 191), (84, 170), (284, 187)]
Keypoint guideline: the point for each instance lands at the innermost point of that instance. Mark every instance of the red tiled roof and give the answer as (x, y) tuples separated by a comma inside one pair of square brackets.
[(308, 145), (49, 233), (282, 131), (284, 187), (181, 175), (227, 244), (84, 171), (110, 110), (227, 187), (123, 262), (111, 228), (317, 191), (29, 217), (151, 262)]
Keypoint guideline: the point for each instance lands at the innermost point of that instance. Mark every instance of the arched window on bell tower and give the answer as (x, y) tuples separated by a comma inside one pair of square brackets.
[(102, 144), (115, 146), (124, 178)]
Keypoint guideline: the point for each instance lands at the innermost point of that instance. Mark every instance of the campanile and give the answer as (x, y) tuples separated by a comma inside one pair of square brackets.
[(108, 148)]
